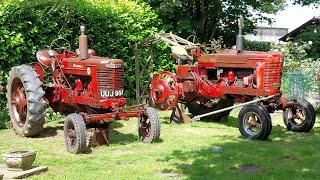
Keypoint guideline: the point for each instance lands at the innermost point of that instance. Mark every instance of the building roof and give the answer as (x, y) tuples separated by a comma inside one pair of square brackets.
[(295, 32)]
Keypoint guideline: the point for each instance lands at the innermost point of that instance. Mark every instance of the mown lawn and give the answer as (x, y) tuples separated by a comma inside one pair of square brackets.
[(183, 152)]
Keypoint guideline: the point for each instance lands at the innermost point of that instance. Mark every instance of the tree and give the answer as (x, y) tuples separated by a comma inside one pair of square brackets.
[(210, 19), (311, 35), (307, 2)]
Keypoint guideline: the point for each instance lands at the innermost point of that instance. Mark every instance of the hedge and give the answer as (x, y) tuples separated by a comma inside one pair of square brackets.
[(113, 26), (256, 45)]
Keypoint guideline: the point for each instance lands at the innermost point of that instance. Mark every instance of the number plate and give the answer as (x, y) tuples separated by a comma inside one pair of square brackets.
[(106, 94)]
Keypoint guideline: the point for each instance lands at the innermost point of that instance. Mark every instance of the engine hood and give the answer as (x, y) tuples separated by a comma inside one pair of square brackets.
[(92, 61), (230, 58)]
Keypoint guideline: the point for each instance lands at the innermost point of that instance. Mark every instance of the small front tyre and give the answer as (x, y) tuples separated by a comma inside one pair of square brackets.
[(75, 133), (299, 118), (254, 122), (149, 126)]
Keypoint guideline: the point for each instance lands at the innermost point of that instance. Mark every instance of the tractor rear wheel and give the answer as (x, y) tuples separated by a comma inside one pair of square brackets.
[(75, 133), (149, 126), (300, 118), (25, 101), (254, 122), (195, 107)]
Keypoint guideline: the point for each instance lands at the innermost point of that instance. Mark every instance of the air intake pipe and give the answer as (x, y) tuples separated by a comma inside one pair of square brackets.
[(83, 44), (239, 42)]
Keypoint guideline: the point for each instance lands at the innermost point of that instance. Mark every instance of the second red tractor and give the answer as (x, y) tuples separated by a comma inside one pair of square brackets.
[(212, 85)]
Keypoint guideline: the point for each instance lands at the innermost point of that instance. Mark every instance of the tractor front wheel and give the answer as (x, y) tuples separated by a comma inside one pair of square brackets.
[(75, 133), (300, 118), (25, 98), (254, 122), (149, 126)]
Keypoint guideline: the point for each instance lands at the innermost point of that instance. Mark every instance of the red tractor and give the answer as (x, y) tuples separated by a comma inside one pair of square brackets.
[(215, 82), (87, 87)]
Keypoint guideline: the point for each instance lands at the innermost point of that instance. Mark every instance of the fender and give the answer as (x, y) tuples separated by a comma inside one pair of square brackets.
[(39, 70)]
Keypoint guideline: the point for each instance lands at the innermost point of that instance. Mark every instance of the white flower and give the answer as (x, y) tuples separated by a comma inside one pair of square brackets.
[(310, 42), (281, 42), (276, 50), (283, 49), (296, 44), (315, 31)]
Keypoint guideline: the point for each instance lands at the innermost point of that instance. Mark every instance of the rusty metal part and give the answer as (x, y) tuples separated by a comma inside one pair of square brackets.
[(179, 115), (118, 114), (83, 44), (97, 137)]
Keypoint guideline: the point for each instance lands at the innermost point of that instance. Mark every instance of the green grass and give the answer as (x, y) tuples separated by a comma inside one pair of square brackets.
[(184, 151)]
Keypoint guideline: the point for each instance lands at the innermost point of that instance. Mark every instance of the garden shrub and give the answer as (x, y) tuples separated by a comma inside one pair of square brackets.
[(256, 45), (113, 26), (299, 71), (311, 36)]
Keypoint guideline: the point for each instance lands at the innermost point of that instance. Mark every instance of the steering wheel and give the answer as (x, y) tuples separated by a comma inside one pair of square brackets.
[(194, 39), (60, 45)]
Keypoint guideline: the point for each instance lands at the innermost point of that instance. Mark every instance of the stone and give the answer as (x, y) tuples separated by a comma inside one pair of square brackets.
[(217, 149), (21, 174), (19, 160)]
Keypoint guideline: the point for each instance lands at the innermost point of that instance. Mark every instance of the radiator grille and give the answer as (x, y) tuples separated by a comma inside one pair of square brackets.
[(110, 79), (272, 74)]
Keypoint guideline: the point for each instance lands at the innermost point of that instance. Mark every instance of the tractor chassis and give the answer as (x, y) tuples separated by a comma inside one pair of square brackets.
[(119, 114), (98, 135), (84, 130)]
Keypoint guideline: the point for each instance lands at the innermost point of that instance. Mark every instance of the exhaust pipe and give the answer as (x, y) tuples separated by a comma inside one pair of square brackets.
[(83, 44), (239, 42)]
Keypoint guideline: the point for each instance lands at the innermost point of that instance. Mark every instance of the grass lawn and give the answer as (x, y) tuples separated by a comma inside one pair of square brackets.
[(183, 152)]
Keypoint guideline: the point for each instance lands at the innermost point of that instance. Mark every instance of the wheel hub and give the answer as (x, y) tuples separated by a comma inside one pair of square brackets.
[(19, 103), (252, 123), (164, 90)]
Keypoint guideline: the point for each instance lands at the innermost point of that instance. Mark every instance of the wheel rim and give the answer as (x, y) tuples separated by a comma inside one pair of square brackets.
[(144, 126), (297, 116), (18, 102), (252, 123), (71, 135)]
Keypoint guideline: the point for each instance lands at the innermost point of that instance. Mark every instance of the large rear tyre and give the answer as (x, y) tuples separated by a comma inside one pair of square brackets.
[(75, 133), (25, 101), (198, 107), (299, 118), (149, 126), (254, 122)]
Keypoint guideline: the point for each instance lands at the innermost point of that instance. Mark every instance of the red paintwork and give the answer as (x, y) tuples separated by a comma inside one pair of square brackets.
[(92, 87), (248, 74)]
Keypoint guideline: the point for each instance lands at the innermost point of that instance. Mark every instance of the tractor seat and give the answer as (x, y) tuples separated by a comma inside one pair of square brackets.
[(44, 58)]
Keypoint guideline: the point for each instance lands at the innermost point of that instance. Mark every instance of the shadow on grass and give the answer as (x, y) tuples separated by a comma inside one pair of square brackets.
[(251, 159), (51, 131), (116, 137)]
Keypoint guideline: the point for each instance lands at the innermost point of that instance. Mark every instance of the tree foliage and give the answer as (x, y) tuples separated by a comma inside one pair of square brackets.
[(307, 2), (311, 35), (209, 19)]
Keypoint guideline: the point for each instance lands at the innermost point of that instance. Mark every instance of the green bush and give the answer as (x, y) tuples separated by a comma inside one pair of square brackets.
[(113, 26), (256, 45), (311, 35), (299, 71)]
